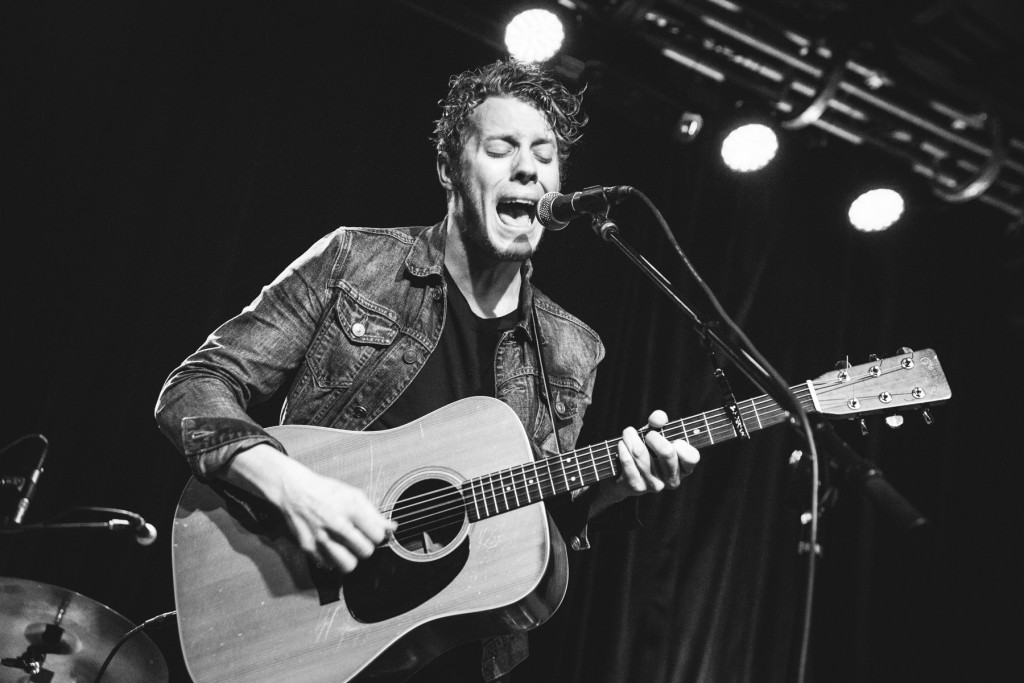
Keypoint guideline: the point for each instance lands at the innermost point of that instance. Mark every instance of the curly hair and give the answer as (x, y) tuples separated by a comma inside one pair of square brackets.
[(508, 78)]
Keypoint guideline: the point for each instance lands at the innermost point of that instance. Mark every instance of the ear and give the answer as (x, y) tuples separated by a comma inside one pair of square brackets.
[(444, 171)]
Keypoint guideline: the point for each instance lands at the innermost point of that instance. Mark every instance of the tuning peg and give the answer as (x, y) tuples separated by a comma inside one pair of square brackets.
[(842, 365), (927, 415), (905, 349), (894, 421), (863, 427), (873, 358)]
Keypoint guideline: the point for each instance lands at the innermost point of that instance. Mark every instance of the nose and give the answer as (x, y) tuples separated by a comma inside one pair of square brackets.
[(525, 168)]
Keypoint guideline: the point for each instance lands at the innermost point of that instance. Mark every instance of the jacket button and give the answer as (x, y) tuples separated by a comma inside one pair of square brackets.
[(359, 412), (559, 407), (358, 329), (437, 293), (410, 356)]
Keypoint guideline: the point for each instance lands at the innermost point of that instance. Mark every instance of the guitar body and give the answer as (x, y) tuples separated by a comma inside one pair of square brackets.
[(252, 606)]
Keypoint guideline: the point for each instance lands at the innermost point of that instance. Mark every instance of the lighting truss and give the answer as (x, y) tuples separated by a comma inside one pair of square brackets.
[(966, 149)]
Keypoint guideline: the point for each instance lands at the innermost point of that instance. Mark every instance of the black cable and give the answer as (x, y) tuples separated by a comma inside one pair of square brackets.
[(23, 438), (758, 360), (50, 525), (117, 646)]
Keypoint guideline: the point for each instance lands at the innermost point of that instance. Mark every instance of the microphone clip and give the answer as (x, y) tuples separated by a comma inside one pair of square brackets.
[(555, 210), (596, 200)]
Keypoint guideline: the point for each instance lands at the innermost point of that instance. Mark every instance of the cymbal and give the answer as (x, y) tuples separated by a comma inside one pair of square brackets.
[(72, 635)]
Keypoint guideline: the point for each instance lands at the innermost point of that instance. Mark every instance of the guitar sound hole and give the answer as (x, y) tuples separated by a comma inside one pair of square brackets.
[(430, 514)]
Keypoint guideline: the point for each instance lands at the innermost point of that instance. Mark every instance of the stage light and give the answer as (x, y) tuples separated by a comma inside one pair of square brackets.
[(876, 210), (534, 35), (688, 127), (749, 147)]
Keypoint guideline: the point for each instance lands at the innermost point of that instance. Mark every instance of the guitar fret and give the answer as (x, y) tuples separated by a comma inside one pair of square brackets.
[(707, 427), (695, 434), (522, 482), (535, 479), (611, 452), (577, 481), (750, 424), (565, 477), (515, 494), (483, 496), (754, 407), (472, 493), (504, 495), (593, 463), (496, 492)]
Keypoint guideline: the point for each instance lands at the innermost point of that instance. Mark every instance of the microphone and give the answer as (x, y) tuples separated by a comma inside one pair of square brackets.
[(30, 485), (144, 532), (554, 210)]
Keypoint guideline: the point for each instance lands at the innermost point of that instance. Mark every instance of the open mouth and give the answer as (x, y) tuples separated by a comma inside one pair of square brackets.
[(517, 212)]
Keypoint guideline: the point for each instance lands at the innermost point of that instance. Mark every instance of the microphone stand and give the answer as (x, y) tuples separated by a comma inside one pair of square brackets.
[(124, 521), (762, 378), (752, 364)]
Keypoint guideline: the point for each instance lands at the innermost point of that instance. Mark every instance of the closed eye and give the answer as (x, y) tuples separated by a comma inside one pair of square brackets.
[(498, 148), (545, 153)]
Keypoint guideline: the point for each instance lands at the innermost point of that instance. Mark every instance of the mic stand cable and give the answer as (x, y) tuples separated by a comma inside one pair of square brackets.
[(753, 364), (117, 646), (134, 521)]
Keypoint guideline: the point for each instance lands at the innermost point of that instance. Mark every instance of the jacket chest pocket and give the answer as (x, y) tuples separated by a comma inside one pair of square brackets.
[(355, 333)]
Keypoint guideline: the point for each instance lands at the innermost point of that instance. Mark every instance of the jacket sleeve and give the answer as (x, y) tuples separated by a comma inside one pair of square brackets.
[(202, 405)]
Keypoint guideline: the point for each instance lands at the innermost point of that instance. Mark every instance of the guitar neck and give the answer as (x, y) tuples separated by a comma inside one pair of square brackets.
[(533, 482)]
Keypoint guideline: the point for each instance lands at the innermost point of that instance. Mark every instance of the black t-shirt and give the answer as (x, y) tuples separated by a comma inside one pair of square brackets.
[(462, 364)]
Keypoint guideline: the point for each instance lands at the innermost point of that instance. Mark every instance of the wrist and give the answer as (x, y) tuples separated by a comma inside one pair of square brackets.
[(262, 470)]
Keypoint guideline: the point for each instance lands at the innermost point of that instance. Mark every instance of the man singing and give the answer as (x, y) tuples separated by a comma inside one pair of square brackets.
[(376, 327)]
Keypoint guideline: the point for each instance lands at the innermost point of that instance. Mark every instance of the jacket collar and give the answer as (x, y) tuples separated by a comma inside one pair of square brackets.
[(426, 259)]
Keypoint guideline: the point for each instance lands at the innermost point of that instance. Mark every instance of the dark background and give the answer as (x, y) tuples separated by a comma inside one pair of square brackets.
[(165, 160)]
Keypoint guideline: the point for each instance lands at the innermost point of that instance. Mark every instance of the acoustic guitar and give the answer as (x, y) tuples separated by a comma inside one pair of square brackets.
[(474, 554)]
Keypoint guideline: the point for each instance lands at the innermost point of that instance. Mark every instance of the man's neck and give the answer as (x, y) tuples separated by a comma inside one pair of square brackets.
[(491, 287)]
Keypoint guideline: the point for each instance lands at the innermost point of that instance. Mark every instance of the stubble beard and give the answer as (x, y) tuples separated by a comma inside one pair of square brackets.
[(475, 238)]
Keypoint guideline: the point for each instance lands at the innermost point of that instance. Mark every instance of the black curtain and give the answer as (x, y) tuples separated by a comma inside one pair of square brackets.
[(163, 161)]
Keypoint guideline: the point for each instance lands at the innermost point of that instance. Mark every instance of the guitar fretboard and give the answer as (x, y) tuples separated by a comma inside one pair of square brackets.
[(515, 487)]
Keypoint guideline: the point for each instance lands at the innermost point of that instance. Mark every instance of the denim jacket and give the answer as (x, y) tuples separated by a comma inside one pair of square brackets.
[(350, 324)]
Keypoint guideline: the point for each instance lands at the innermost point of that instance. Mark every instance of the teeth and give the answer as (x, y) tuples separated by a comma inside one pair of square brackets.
[(516, 211)]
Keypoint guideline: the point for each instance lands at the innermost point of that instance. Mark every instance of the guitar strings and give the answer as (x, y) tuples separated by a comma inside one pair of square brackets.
[(423, 511), (716, 425), (608, 446), (453, 506)]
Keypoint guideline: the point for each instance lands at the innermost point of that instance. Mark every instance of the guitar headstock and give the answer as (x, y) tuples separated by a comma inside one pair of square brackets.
[(908, 380)]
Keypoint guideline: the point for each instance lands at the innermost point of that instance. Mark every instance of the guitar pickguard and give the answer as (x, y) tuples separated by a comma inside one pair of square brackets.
[(386, 585)]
